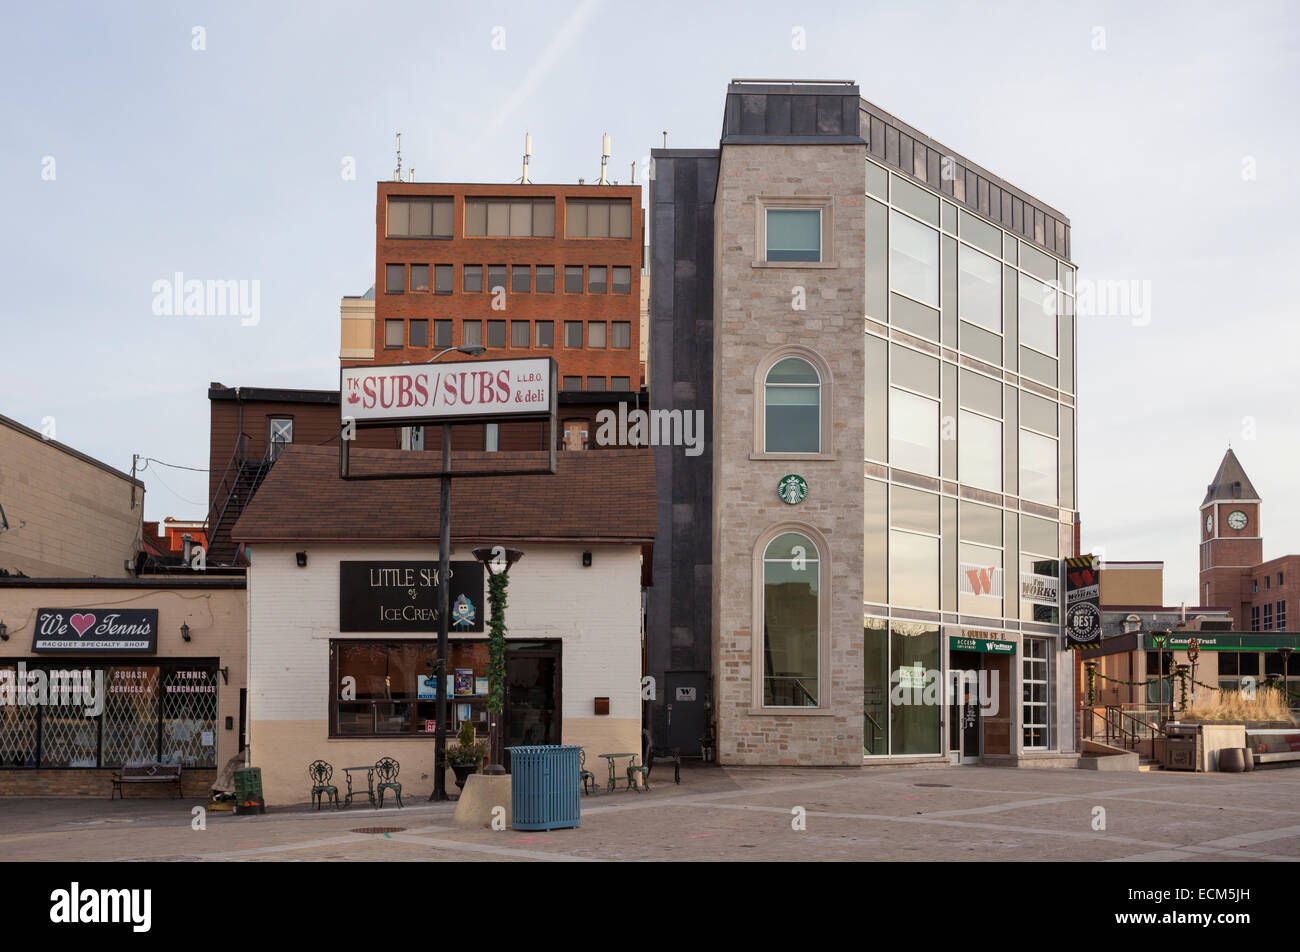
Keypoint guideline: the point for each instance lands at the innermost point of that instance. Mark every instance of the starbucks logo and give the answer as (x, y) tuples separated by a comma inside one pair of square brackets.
[(792, 489)]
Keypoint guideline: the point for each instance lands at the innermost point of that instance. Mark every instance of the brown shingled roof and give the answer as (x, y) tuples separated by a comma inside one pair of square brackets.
[(596, 495)]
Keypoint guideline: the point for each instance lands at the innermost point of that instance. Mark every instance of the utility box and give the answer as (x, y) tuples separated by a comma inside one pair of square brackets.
[(544, 787)]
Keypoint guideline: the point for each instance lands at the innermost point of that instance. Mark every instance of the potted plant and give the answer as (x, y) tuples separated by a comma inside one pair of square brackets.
[(467, 756)]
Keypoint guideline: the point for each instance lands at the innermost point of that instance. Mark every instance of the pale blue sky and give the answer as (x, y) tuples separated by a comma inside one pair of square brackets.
[(225, 163)]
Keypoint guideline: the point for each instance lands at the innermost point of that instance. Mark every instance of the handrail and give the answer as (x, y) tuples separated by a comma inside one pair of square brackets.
[(1113, 718), (225, 476), (876, 725)]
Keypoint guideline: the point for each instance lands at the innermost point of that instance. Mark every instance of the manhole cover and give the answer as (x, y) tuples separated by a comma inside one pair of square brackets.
[(380, 829), (932, 785)]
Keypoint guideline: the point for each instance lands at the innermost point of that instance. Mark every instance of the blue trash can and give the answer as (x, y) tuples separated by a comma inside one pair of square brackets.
[(544, 787)]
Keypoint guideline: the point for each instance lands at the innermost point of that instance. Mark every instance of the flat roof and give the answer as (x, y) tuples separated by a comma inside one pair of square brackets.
[(64, 448)]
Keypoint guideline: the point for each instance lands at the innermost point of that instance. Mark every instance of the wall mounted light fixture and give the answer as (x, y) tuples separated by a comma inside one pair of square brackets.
[(302, 560), (185, 631), (586, 560), (4, 632)]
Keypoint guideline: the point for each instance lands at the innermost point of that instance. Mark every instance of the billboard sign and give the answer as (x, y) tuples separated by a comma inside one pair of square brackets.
[(448, 391)]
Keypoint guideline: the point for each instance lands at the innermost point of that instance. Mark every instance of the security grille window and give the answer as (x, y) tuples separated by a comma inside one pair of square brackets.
[(394, 278), (572, 383), (573, 279), (1268, 616), (510, 217), (596, 335), (791, 622), (595, 383), (442, 333), (621, 280), (621, 384), (496, 277), (621, 334), (419, 217), (150, 713), (792, 408), (546, 279), (913, 259), (279, 434), (419, 333), (518, 333), (473, 277), (471, 333), (442, 279), (521, 278), (598, 219), (492, 437), (419, 277), (394, 333), (545, 333), (596, 279), (496, 333), (573, 333), (793, 234), (1037, 691)]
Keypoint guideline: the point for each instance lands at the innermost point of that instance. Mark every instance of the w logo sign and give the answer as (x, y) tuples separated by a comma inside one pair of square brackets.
[(981, 579)]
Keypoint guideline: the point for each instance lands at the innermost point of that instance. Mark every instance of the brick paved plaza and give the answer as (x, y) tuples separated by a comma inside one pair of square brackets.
[(873, 814)]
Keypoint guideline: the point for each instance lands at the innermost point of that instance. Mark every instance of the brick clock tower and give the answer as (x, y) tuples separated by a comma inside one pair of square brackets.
[(1232, 543)]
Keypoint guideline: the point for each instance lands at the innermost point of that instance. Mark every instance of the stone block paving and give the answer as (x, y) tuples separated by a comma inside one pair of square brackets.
[(871, 814)]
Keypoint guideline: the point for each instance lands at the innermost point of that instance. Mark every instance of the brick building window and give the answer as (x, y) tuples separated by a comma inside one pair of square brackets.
[(1268, 616), (621, 384), (792, 408), (473, 277), (546, 279), (595, 383), (573, 279), (521, 278), (442, 279), (793, 234), (419, 217), (518, 333), (596, 279), (394, 278), (545, 333), (597, 218), (442, 333), (496, 277), (419, 333), (394, 333), (419, 277), (471, 332), (791, 574), (1281, 616), (491, 437), (573, 333), (621, 280), (510, 217), (496, 333), (620, 334), (1254, 618), (596, 336), (572, 383)]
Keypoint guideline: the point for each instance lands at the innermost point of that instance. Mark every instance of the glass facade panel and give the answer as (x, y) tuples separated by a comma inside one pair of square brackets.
[(877, 261), (917, 510), (914, 370), (913, 570), (1038, 468), (914, 661), (979, 233), (791, 575), (914, 259), (875, 687), (1037, 413), (915, 200), (913, 432), (875, 577), (1037, 315), (912, 317), (979, 289), (876, 388), (1067, 457)]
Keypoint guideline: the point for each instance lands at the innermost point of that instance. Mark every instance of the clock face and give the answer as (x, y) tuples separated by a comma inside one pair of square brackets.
[(1237, 520), (1209, 524)]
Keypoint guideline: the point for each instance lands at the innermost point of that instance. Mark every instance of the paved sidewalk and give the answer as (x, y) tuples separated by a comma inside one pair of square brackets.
[(869, 814)]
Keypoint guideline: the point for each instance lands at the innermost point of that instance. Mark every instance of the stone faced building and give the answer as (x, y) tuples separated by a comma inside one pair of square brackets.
[(867, 292)]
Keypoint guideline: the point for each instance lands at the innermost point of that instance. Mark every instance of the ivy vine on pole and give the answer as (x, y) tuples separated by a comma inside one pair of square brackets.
[(497, 643)]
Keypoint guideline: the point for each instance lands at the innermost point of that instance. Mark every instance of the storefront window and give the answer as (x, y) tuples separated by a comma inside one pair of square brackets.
[(389, 687), (121, 714), (914, 667), (791, 576), (1037, 687)]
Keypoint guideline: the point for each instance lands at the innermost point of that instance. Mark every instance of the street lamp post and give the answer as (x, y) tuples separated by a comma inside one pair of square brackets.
[(444, 591), (497, 559)]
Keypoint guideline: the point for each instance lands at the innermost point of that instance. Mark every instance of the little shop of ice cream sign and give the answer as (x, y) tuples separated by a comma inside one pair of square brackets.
[(442, 392), (105, 630)]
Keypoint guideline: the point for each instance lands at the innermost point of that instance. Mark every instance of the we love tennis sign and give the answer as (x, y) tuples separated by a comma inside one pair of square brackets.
[(443, 392), (106, 630)]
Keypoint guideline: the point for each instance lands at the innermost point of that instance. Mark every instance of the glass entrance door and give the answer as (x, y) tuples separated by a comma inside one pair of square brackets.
[(532, 695), (965, 728)]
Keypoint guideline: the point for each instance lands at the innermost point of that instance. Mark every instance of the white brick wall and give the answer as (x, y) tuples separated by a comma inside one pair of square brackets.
[(293, 613)]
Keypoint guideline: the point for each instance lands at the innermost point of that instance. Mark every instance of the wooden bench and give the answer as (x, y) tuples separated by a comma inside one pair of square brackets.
[(146, 773)]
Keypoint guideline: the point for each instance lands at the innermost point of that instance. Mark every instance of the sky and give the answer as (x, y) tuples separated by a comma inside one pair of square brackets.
[(215, 140)]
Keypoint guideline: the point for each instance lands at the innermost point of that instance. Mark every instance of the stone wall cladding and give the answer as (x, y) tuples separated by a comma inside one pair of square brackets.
[(754, 316)]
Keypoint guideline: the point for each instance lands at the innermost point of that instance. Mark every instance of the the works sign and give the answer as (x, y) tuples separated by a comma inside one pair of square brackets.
[(403, 596), (442, 392)]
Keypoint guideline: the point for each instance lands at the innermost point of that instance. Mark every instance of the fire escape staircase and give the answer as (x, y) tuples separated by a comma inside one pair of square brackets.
[(239, 482)]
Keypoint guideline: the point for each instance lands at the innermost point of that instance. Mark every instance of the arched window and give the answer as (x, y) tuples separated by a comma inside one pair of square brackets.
[(791, 620), (792, 395)]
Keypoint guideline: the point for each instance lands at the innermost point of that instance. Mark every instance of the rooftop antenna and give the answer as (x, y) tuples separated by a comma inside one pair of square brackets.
[(410, 175), (604, 157), (633, 173), (528, 151), (397, 172), (665, 138)]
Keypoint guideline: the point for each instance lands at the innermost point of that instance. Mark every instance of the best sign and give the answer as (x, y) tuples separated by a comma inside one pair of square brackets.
[(447, 391)]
